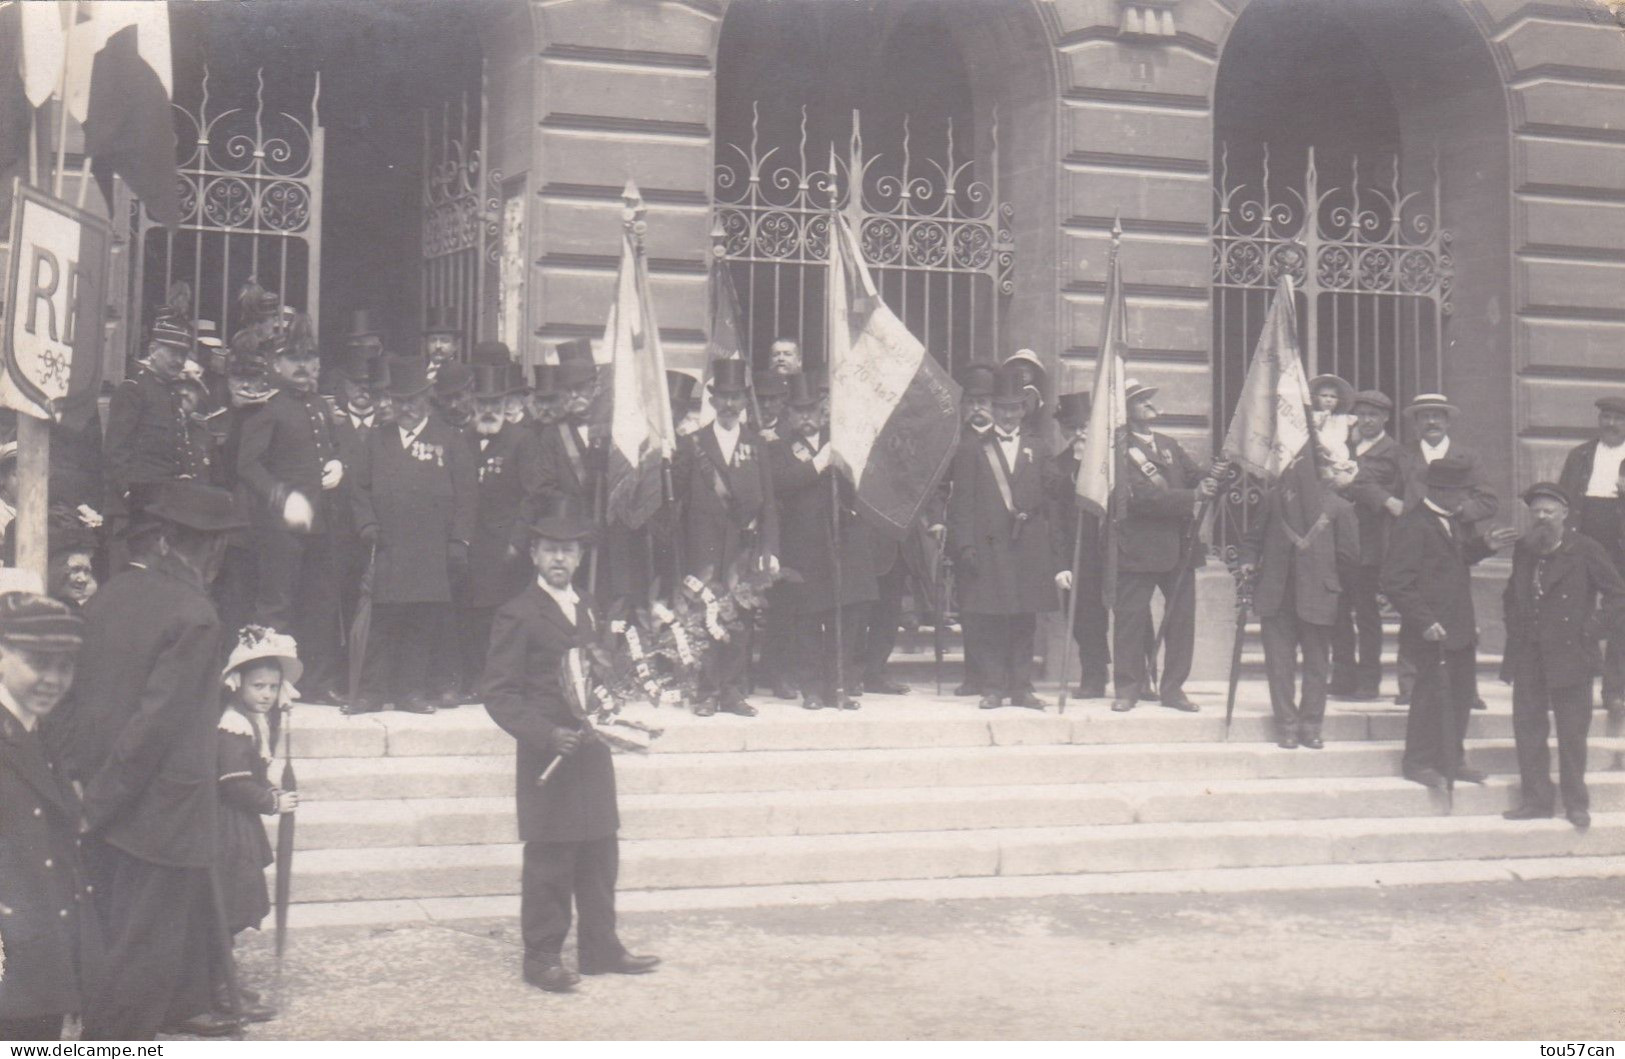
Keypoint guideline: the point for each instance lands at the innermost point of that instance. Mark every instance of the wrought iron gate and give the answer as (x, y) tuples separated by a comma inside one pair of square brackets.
[(251, 205), (462, 206), (937, 238)]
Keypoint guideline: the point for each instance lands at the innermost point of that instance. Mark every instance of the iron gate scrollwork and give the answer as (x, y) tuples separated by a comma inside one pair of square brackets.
[(937, 238), (462, 204)]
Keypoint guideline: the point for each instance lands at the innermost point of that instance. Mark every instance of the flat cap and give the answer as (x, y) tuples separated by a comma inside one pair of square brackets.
[(39, 622), (1373, 399), (1548, 489), (1612, 404)]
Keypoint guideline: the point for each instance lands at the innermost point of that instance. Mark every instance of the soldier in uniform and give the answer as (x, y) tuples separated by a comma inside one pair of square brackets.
[(801, 469), (1378, 495), (1090, 620), (415, 502), (147, 429), (568, 820), (140, 730), (1594, 478), (721, 475), (1164, 487), (1553, 623), (48, 931), (288, 460), (1003, 547)]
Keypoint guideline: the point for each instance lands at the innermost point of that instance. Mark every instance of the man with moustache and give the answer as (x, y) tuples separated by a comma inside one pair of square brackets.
[(1553, 622), (1593, 478), (288, 462), (976, 409), (784, 357), (442, 339), (1377, 494), (147, 440), (1090, 620), (570, 458), (545, 402)]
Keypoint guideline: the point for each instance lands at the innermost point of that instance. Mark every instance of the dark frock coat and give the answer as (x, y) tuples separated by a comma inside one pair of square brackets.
[(568, 469), (1427, 576), (1381, 478), (49, 933), (510, 484), (284, 446), (1480, 502), (1315, 584), (725, 505), (1000, 571), (246, 795), (421, 499), (523, 691), (1160, 506), (1564, 621), (148, 436), (806, 533)]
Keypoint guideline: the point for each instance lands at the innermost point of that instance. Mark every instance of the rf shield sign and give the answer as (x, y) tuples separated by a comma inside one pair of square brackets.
[(55, 293)]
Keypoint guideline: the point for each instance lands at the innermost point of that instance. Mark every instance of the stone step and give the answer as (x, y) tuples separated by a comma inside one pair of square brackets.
[(333, 779), (486, 820), (397, 873)]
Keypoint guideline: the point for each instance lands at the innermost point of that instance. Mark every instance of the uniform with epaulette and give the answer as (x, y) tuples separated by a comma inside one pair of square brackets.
[(148, 439)]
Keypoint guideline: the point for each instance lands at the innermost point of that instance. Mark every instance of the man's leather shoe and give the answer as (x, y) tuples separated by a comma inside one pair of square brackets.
[(991, 702), (813, 702), (449, 699), (1480, 704), (552, 977), (784, 690), (1312, 740), (1026, 700), (739, 707), (1579, 818), (1089, 691), (1426, 777), (362, 704), (252, 1011), (208, 1024), (1464, 774), (414, 705), (1287, 742), (625, 963), (1122, 705), (1529, 812), (1177, 700), (968, 690), (705, 708), (886, 687), (847, 702)]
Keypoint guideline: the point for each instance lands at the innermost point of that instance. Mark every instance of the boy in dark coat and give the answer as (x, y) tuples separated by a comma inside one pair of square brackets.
[(568, 819)]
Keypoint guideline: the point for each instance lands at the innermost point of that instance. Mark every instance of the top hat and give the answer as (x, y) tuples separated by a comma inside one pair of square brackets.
[(1135, 390), (514, 381), (452, 379), (441, 320), (575, 350), (1551, 489), (562, 518), (771, 384), (490, 381), (1615, 405), (1010, 386), (680, 386), (171, 332), (729, 376), (1449, 472), (491, 353), (574, 373), (803, 392), (197, 506), (361, 325), (1422, 402), (34, 620), (977, 380), (376, 378), (545, 379), (256, 643), (406, 377), (1072, 409), (1345, 392), (1372, 399)]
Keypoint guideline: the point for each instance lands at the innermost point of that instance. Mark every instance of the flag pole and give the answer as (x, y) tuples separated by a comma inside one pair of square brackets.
[(62, 98), (836, 275)]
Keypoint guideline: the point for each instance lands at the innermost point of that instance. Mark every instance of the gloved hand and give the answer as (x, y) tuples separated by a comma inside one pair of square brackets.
[(297, 513), (332, 474), (1063, 580)]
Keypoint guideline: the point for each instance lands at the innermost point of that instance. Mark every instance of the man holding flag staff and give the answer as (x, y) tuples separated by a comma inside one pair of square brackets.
[(1090, 619)]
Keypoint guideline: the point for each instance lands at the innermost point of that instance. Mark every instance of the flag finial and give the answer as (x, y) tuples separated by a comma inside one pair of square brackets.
[(1117, 228), (633, 213)]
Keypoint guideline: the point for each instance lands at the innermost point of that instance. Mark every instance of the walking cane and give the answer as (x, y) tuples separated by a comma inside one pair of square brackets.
[(835, 555), (1447, 726), (1069, 601)]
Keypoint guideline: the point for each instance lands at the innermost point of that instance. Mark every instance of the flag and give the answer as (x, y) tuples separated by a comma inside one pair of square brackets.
[(894, 411), (640, 432), (43, 46), (32, 45), (1108, 417), (120, 82), (1270, 434), (724, 342)]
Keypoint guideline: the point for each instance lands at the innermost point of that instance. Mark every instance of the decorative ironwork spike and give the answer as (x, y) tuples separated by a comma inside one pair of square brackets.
[(315, 103), (259, 111), (834, 182)]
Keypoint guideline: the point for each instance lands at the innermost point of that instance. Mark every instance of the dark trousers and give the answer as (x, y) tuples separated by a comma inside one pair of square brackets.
[(779, 625), (1006, 652), (297, 592), (1441, 702), (1357, 636), (235, 587), (1090, 625), (885, 618), (1600, 519), (1132, 630), (473, 643), (1284, 637), (1532, 700), (724, 674), (814, 647), (37, 1028), (400, 649), (162, 944), (559, 876)]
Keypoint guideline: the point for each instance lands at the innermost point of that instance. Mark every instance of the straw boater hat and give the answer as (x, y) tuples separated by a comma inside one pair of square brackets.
[(1423, 402), (1345, 392), (1135, 390), (30, 619)]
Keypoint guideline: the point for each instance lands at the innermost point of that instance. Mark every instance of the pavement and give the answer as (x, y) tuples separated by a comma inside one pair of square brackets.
[(1516, 960)]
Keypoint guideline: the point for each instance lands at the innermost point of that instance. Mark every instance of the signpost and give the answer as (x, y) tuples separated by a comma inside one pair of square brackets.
[(55, 292)]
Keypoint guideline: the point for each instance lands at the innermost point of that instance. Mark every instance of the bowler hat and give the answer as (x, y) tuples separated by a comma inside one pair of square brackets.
[(1551, 489), (489, 381), (441, 320), (1345, 392), (680, 387), (361, 325), (1010, 386), (36, 621), (562, 518), (545, 379), (1135, 390), (1612, 404), (1423, 402), (1449, 472), (197, 506), (575, 350), (1373, 399), (452, 379), (1072, 409), (491, 353), (977, 380), (803, 393), (406, 377), (771, 384), (729, 376)]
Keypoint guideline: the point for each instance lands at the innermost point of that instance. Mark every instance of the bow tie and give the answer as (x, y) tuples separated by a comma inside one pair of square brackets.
[(1007, 437)]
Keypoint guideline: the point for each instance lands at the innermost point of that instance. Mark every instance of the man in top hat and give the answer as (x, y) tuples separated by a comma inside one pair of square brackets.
[(976, 410), (1378, 496), (1553, 622), (507, 462), (48, 931), (802, 471), (729, 519), (140, 732), (1593, 477), (1427, 576), (1078, 529), (452, 399), (784, 357), (772, 668), (442, 338), (770, 389), (1164, 486), (685, 407), (515, 394), (545, 402), (1005, 560), (289, 463), (365, 341), (147, 438), (568, 819), (415, 495), (570, 456)]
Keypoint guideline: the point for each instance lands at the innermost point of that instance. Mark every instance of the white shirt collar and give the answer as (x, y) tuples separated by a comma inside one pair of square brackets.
[(1437, 510), (727, 440), (565, 597), (1431, 452), (28, 721), (1366, 444), (409, 436), (358, 421)]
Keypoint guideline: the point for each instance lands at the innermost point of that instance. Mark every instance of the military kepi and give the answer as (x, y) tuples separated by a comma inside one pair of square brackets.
[(1546, 489)]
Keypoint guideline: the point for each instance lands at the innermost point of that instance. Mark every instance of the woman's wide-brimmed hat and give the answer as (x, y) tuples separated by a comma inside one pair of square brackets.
[(257, 643)]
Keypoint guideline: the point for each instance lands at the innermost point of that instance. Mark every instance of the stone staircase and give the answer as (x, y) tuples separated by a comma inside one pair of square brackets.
[(403, 809)]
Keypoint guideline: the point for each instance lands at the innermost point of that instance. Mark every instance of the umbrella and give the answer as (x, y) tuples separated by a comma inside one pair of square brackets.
[(361, 626), (284, 844)]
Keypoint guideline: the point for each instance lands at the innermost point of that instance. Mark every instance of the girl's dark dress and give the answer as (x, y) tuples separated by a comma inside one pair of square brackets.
[(246, 794)]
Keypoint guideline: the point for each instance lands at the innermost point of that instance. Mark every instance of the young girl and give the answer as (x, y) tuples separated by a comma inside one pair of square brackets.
[(259, 677)]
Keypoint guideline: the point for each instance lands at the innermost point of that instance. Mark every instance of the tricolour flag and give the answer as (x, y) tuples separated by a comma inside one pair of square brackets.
[(1269, 434), (120, 81), (894, 411), (724, 342), (641, 434), (1108, 418)]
